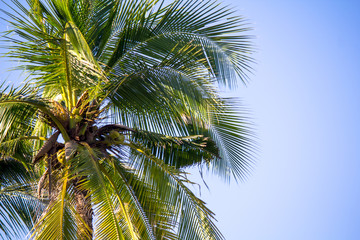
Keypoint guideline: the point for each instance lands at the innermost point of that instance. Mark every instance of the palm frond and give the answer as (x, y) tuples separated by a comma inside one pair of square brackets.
[(19, 209), (107, 224), (195, 220), (59, 219), (18, 213), (233, 134), (124, 96), (20, 106), (181, 151)]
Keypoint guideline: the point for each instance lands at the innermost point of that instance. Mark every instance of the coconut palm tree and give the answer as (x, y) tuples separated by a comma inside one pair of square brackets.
[(122, 97)]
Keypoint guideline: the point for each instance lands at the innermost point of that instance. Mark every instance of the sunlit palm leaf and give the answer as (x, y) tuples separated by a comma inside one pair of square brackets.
[(124, 96)]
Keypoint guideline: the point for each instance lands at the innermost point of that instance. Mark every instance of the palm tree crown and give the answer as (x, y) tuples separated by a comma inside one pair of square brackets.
[(122, 96)]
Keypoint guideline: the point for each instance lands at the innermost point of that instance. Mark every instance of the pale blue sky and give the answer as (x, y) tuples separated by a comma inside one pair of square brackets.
[(304, 100)]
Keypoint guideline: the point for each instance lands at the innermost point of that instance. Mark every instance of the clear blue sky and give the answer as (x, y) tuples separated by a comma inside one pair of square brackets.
[(305, 101)]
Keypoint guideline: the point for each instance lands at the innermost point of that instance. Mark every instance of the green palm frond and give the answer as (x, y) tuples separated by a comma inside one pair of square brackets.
[(107, 224), (20, 106), (59, 219), (16, 122), (179, 152), (18, 213), (194, 219), (14, 172), (160, 94), (231, 131), (122, 97), (19, 209)]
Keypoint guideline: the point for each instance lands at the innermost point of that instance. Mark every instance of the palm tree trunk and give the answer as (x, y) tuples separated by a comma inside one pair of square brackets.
[(83, 208)]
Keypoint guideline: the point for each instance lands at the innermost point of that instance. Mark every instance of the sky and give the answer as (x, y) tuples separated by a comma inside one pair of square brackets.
[(304, 100)]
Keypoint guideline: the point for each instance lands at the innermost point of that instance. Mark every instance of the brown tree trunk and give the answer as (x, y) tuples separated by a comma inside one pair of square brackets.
[(83, 208)]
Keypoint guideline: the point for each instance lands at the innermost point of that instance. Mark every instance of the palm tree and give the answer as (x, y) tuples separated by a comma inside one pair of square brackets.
[(122, 97)]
